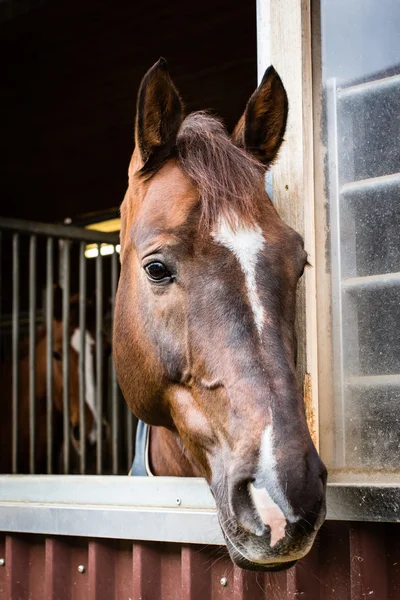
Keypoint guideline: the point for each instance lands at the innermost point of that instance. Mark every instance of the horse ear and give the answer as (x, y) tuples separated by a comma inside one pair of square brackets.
[(262, 126), (159, 115)]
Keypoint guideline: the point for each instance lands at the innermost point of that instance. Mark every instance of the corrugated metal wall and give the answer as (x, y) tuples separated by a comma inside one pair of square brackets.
[(350, 561)]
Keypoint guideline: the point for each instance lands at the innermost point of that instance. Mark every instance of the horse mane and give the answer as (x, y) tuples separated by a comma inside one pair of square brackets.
[(229, 180)]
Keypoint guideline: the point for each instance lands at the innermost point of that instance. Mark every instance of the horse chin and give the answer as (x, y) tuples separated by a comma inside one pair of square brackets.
[(249, 565)]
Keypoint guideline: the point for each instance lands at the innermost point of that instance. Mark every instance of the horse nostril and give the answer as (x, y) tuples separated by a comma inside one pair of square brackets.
[(76, 432), (242, 507)]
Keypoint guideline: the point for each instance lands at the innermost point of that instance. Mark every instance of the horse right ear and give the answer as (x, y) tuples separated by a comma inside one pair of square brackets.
[(262, 126), (159, 115)]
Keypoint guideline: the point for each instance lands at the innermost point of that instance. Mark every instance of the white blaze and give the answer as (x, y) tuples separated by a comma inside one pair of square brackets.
[(90, 395), (245, 243), (274, 513)]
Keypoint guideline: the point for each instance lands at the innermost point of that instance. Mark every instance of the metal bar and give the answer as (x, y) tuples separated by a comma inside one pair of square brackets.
[(68, 232), (336, 269), (371, 282), (49, 353), (114, 384), (82, 356), (369, 86), (99, 361), (372, 184), (65, 357), (15, 352), (374, 381), (32, 350)]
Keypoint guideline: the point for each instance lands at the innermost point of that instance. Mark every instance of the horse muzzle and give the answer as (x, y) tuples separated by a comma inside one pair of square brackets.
[(255, 553), (263, 531)]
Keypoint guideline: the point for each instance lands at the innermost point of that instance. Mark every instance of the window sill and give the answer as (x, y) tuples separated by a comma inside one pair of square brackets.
[(157, 509)]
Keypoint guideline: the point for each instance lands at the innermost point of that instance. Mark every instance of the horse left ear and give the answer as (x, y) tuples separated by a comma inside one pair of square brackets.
[(158, 117), (262, 126)]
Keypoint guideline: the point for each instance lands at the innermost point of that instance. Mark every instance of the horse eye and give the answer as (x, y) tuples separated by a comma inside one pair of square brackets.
[(57, 355), (157, 271)]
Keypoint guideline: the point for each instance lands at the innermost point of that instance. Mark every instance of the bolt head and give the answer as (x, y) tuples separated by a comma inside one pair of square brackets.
[(81, 568), (178, 501), (223, 581), (2, 562)]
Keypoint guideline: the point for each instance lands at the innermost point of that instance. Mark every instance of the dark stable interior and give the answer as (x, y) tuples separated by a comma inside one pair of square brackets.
[(70, 72)]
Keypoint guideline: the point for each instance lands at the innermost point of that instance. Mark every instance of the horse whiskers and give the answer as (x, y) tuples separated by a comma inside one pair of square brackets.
[(214, 562), (304, 519)]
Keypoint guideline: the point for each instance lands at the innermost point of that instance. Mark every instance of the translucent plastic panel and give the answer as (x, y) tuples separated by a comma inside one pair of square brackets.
[(373, 427), (361, 135), (371, 228), (369, 127), (373, 315)]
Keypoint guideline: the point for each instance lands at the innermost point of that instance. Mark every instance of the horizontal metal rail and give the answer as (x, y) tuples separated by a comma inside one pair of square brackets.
[(110, 490), (371, 282), (373, 184), (369, 87), (148, 508), (67, 232), (153, 508), (374, 381)]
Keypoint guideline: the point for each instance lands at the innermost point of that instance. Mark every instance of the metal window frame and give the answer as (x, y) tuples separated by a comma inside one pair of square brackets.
[(165, 509)]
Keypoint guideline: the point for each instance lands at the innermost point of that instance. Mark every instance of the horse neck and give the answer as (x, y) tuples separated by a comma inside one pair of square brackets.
[(167, 455)]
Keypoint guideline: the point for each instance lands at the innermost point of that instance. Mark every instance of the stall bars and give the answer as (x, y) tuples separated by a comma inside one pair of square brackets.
[(69, 238)]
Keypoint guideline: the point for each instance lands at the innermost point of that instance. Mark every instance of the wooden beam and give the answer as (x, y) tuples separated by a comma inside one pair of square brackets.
[(289, 48)]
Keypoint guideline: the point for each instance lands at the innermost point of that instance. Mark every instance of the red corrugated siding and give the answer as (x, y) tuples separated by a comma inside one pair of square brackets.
[(350, 561)]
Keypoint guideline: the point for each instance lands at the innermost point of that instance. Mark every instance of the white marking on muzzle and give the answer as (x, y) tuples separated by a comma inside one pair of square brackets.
[(90, 395), (269, 512), (245, 243), (268, 496)]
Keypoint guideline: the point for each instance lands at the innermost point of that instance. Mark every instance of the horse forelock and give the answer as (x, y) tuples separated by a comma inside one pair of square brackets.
[(229, 181)]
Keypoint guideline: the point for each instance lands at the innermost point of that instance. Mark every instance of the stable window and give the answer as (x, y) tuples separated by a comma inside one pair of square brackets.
[(337, 182)]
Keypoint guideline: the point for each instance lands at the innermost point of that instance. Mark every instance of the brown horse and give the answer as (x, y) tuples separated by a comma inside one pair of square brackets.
[(41, 395), (204, 339)]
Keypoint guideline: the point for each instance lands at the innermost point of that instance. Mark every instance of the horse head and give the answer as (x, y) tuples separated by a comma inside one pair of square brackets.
[(204, 336), (92, 419)]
